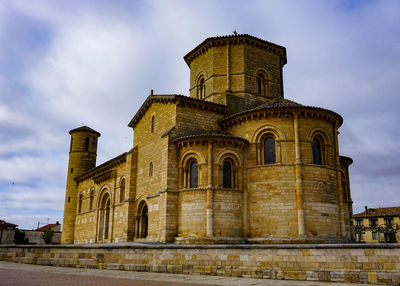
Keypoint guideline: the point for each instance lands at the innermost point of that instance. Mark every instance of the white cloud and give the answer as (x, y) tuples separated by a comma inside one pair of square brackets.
[(100, 60)]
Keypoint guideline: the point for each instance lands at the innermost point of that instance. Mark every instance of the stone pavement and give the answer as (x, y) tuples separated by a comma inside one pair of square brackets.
[(35, 275)]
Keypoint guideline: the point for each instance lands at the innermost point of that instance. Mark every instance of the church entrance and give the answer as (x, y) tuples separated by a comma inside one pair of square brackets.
[(104, 217), (142, 221)]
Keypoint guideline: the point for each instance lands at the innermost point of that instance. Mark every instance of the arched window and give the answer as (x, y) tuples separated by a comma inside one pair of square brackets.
[(91, 199), (151, 169), (152, 124), (269, 150), (80, 203), (194, 170), (260, 84), (316, 150), (201, 88), (87, 144), (227, 174), (122, 191)]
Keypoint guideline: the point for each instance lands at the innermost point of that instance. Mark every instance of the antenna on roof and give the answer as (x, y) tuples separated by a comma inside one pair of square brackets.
[(235, 33)]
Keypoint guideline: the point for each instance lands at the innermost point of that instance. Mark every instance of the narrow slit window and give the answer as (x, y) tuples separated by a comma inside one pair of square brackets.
[(194, 169), (87, 144), (316, 150), (122, 191), (91, 200), (260, 84), (227, 174), (80, 203)]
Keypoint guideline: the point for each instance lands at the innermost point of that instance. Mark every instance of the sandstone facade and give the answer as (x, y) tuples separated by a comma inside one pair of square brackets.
[(235, 162)]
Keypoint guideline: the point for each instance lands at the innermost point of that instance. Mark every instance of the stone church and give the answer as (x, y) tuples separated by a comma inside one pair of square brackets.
[(234, 162)]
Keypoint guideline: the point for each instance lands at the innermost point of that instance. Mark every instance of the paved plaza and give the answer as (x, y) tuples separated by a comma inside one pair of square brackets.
[(34, 275)]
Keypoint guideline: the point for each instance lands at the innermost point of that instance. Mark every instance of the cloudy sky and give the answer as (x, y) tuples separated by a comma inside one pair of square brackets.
[(68, 63)]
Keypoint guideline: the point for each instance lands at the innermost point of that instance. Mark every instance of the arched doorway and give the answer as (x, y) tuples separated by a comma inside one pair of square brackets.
[(104, 217), (142, 221)]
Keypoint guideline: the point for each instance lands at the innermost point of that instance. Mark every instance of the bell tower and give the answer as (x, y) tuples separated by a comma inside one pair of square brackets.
[(236, 66), (82, 157)]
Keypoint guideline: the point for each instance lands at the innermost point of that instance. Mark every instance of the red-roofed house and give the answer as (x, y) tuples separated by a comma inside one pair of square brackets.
[(378, 218), (53, 226)]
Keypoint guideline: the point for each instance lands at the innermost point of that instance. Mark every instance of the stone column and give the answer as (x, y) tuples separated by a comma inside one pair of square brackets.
[(210, 192), (181, 178), (245, 222), (299, 179), (339, 183), (112, 210), (228, 67)]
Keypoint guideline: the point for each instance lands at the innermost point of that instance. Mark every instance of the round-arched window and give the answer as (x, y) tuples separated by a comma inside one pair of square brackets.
[(269, 150), (316, 150), (194, 170), (227, 174)]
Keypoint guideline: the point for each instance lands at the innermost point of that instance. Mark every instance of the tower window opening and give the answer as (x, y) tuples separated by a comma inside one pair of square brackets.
[(80, 203), (151, 169), (87, 144), (72, 170), (91, 199), (262, 84), (201, 88), (152, 124)]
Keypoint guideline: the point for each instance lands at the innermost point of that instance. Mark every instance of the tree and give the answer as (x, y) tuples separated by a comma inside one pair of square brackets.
[(47, 236), (20, 237), (388, 231)]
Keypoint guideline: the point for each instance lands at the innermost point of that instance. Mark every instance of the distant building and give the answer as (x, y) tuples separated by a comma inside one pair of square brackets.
[(56, 227), (380, 224), (7, 231)]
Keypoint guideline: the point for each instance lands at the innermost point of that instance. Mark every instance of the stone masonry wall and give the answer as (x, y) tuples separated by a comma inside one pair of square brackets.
[(354, 263)]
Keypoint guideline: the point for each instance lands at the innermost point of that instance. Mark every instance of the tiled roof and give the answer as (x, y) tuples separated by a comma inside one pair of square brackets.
[(84, 129), (49, 226), (278, 103), (238, 38), (102, 167), (379, 212), (4, 224), (166, 98), (199, 134)]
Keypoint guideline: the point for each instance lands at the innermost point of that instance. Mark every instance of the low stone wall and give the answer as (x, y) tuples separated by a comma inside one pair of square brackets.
[(367, 263)]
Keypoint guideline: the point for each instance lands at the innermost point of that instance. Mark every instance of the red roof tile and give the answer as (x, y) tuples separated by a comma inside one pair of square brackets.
[(46, 227), (379, 212)]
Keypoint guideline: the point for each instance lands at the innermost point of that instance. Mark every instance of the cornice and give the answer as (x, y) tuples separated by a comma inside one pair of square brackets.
[(234, 40), (347, 161), (225, 139), (178, 100), (302, 111), (102, 169)]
